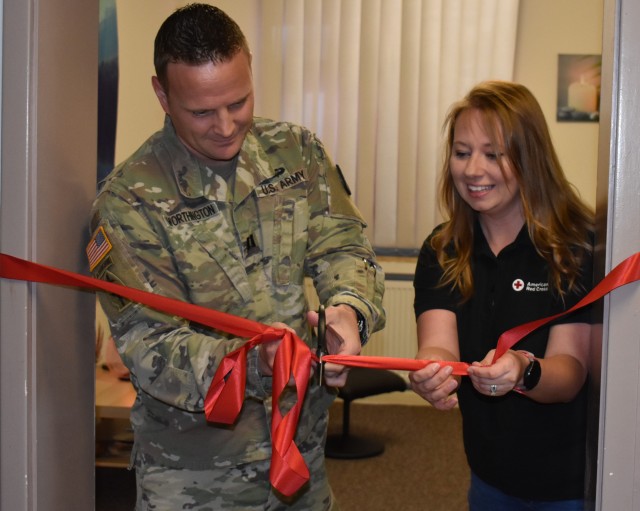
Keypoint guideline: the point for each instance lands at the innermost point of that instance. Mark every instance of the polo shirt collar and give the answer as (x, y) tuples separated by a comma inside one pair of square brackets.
[(481, 245)]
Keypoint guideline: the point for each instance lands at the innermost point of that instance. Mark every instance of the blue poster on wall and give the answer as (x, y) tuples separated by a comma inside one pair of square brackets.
[(107, 87)]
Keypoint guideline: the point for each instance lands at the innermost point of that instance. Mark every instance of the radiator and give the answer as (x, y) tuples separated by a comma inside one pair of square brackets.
[(398, 338)]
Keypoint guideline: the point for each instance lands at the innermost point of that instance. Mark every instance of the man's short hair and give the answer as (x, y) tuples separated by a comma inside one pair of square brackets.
[(195, 34)]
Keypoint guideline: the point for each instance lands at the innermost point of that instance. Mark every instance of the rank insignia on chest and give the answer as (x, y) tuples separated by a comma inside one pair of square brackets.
[(250, 246)]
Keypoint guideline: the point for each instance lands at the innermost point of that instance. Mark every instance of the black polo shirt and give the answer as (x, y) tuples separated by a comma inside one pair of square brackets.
[(526, 449)]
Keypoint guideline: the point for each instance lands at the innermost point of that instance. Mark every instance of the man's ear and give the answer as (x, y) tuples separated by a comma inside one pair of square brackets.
[(160, 93)]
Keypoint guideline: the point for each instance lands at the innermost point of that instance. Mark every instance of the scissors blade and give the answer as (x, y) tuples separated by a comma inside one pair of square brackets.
[(321, 349)]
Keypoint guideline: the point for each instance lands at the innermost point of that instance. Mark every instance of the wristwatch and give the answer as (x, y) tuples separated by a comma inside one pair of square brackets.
[(362, 327), (532, 372)]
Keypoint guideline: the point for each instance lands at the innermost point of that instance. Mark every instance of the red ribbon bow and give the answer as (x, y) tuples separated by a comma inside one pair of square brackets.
[(293, 358), (288, 471)]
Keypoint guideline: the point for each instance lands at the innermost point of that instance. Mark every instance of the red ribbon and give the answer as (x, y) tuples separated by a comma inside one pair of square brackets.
[(395, 364), (226, 393), (293, 358), (626, 272)]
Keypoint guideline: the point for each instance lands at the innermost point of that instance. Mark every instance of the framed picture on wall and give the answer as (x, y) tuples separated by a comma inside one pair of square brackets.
[(579, 88)]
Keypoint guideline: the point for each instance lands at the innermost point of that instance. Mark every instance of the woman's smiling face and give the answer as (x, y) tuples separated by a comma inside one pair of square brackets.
[(476, 172)]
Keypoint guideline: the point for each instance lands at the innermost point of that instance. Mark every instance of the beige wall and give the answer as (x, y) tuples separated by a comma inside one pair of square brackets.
[(548, 28)]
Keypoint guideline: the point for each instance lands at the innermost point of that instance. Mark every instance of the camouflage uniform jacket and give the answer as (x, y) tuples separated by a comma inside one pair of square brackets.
[(243, 247)]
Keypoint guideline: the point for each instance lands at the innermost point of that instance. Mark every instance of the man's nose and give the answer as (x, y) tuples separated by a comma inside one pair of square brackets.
[(224, 124)]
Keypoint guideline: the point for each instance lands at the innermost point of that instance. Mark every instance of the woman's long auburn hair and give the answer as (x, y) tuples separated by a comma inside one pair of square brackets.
[(557, 219)]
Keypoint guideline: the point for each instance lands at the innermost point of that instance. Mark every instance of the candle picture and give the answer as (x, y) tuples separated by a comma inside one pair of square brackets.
[(578, 88)]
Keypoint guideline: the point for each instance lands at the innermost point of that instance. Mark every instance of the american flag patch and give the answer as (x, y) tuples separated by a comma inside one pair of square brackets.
[(98, 248)]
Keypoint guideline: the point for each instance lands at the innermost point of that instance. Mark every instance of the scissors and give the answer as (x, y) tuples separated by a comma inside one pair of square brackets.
[(321, 350)]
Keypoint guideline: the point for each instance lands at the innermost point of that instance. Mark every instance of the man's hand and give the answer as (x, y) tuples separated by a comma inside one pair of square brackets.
[(342, 338), (267, 352)]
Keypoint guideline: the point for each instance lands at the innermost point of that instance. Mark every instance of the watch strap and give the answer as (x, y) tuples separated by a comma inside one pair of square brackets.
[(532, 373), (362, 327)]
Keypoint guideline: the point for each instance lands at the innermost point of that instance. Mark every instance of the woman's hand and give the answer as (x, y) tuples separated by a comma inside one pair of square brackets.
[(435, 384), (437, 340), (500, 378)]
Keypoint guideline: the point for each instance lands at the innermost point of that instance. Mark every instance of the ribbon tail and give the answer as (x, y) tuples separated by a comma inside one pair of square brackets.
[(288, 472), (226, 393), (624, 273)]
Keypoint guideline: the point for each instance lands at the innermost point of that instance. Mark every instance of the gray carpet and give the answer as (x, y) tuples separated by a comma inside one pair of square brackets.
[(423, 466)]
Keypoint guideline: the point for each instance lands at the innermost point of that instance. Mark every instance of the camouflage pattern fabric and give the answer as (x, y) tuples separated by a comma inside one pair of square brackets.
[(167, 223), (235, 487)]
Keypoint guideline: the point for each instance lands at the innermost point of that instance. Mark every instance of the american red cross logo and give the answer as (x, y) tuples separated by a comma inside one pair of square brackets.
[(518, 285)]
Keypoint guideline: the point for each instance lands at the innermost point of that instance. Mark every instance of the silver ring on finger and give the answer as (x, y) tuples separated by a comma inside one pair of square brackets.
[(493, 389)]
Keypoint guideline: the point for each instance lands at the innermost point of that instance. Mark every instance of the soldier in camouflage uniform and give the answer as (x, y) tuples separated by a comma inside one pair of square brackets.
[(229, 212)]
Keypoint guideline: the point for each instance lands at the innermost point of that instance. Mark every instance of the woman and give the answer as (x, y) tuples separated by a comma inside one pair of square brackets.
[(517, 246)]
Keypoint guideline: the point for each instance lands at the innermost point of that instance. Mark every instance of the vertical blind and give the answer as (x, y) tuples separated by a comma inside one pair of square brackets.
[(374, 79)]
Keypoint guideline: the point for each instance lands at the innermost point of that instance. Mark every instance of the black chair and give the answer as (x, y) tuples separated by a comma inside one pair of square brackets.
[(361, 382)]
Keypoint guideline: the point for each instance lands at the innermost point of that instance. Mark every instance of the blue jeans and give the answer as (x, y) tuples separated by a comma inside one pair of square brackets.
[(483, 497)]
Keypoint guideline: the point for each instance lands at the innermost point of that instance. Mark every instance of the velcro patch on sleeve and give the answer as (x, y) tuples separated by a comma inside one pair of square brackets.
[(98, 248)]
